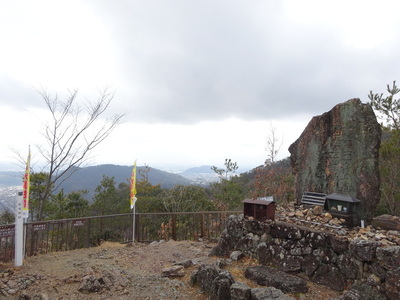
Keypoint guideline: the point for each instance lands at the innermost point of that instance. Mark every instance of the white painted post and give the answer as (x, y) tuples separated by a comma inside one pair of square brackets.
[(133, 225), (19, 232)]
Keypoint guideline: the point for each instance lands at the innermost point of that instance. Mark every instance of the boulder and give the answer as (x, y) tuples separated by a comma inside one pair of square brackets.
[(240, 291), (392, 284), (361, 292), (90, 284), (349, 267), (363, 250), (256, 227), (213, 281), (310, 264), (221, 288), (290, 263), (264, 275), (338, 153), (236, 255), (185, 263), (317, 239), (378, 270), (330, 276), (280, 257), (374, 280), (317, 210), (287, 231), (337, 243), (387, 222), (234, 226), (245, 243), (388, 257), (266, 253), (269, 293), (225, 243), (325, 255)]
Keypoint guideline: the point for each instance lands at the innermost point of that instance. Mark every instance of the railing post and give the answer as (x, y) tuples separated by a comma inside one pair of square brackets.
[(87, 237), (173, 227), (203, 224), (212, 224), (137, 229), (33, 240)]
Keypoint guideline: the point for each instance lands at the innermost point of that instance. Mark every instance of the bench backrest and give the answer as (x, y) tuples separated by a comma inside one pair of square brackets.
[(311, 198)]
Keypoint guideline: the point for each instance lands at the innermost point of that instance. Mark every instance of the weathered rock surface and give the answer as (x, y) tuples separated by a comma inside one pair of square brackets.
[(361, 292), (236, 255), (338, 153), (90, 284), (392, 284), (361, 255), (329, 275), (174, 271), (240, 291), (364, 250), (287, 283), (213, 281), (349, 267), (269, 293), (387, 222)]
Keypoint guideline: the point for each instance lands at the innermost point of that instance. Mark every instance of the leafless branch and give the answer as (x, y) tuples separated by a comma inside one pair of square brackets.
[(71, 135)]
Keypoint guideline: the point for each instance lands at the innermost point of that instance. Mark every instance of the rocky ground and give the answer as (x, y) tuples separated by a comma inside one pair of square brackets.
[(315, 217), (121, 272), (110, 270), (140, 271)]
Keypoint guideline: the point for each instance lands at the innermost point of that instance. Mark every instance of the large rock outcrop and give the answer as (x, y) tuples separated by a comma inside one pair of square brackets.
[(338, 153)]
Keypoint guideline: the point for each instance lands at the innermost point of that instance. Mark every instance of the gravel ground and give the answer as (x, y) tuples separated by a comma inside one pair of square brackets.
[(118, 271), (124, 271)]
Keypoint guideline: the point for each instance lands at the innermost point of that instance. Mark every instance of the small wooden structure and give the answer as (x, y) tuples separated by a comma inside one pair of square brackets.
[(313, 198), (260, 209), (344, 207)]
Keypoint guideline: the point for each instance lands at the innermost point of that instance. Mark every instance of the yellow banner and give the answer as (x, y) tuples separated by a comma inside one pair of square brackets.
[(26, 186), (133, 186)]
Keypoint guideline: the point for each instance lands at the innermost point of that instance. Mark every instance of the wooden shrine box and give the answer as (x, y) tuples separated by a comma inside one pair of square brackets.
[(260, 209), (344, 207)]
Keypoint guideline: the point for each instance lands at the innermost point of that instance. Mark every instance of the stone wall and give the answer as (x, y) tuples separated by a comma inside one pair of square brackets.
[(338, 153), (325, 258)]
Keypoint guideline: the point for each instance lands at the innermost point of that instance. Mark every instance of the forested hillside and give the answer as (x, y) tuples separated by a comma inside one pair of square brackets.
[(90, 177)]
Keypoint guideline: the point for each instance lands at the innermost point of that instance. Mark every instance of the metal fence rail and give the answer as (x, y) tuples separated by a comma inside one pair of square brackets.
[(70, 234)]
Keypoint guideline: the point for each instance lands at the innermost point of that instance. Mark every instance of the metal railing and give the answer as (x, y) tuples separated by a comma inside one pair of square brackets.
[(70, 234)]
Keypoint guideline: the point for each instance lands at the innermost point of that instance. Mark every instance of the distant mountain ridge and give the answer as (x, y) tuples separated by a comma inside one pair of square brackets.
[(10, 178), (202, 169), (89, 178)]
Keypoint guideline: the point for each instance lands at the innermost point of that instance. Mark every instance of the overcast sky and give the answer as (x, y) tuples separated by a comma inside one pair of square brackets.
[(200, 81)]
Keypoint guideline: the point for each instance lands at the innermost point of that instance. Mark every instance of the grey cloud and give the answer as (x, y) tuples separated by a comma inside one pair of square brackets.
[(16, 94), (190, 61)]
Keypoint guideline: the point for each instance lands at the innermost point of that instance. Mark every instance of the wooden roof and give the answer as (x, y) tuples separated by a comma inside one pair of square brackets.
[(341, 197), (262, 200)]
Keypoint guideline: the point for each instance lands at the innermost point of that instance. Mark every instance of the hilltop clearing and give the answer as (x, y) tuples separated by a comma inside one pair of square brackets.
[(121, 272)]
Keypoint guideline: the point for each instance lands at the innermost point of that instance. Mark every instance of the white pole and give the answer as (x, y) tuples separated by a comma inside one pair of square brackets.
[(19, 232), (133, 225)]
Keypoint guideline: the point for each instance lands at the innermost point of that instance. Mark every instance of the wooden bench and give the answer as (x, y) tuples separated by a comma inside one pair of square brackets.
[(311, 198)]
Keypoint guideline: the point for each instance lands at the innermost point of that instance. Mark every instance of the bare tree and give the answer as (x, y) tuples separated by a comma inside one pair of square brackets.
[(273, 145), (71, 134)]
